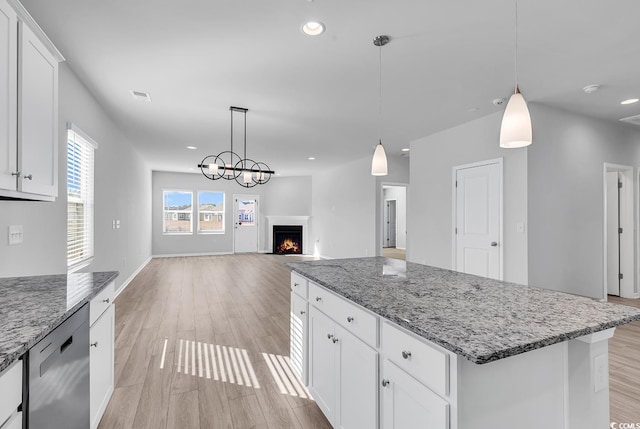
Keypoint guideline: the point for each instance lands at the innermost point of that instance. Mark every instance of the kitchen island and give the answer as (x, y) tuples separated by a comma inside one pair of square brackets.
[(442, 349), (31, 310)]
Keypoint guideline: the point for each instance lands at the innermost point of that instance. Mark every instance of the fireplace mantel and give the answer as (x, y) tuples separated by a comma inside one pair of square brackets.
[(288, 220)]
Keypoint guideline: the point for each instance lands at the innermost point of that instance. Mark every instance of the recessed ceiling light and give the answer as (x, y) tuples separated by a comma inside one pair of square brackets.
[(140, 96), (472, 109), (311, 158), (406, 149), (630, 101), (590, 89), (313, 28), (192, 147)]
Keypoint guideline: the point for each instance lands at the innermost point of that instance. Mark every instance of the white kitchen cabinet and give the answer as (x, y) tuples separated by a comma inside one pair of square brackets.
[(342, 374), (299, 336), (408, 404), (28, 107), (11, 396), (101, 332)]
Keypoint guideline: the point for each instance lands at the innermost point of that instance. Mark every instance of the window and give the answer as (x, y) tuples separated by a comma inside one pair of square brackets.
[(210, 212), (80, 161), (178, 208)]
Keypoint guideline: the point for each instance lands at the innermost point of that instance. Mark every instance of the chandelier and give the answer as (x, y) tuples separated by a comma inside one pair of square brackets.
[(229, 165)]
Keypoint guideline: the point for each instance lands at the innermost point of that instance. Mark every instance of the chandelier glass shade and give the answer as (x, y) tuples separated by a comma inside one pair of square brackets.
[(228, 165)]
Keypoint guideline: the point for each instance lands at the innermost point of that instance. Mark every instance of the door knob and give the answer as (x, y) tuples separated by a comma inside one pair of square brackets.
[(494, 243)]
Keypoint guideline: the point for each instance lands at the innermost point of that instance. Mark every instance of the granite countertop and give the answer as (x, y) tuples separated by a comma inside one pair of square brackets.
[(31, 307), (478, 318)]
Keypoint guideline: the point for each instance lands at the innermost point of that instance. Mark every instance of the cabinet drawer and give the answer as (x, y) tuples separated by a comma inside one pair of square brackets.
[(299, 285), (101, 302), (358, 321), (425, 362), (10, 390)]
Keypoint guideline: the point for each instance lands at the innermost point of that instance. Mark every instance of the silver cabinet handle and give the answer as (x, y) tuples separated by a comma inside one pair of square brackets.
[(329, 336), (106, 300), (296, 284), (406, 354), (385, 382), (349, 319), (318, 299), (335, 340), (94, 344), (28, 176), (494, 243), (303, 312), (17, 174)]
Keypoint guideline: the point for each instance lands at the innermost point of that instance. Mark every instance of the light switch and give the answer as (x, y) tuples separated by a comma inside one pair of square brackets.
[(118, 224), (15, 234)]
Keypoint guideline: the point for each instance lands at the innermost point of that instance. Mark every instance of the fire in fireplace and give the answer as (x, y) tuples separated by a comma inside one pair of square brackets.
[(287, 239)]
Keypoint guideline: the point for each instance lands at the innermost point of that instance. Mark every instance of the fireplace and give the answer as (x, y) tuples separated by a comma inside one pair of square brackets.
[(287, 239)]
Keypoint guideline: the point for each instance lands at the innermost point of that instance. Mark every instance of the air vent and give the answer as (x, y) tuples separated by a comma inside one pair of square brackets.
[(141, 96), (635, 120)]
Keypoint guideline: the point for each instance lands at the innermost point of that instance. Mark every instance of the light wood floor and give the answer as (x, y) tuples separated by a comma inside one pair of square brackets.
[(242, 302), (394, 253), (239, 301)]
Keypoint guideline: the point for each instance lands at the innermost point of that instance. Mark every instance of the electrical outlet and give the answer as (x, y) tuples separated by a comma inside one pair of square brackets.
[(15, 234)]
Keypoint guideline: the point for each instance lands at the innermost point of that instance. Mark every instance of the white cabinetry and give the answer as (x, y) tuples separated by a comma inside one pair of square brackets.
[(11, 396), (28, 107), (101, 332), (298, 338), (342, 374)]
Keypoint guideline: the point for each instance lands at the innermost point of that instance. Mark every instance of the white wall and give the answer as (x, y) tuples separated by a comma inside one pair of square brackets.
[(430, 194), (343, 224), (122, 191), (281, 196), (399, 194), (565, 165)]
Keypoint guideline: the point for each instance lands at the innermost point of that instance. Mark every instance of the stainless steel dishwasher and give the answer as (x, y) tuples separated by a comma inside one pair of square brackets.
[(58, 391)]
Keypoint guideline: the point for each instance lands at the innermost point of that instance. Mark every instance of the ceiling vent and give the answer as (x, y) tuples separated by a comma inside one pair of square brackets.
[(635, 120), (141, 96)]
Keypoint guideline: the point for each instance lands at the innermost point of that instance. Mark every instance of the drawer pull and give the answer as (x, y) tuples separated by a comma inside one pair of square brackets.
[(329, 336), (335, 340), (106, 300), (385, 382), (94, 344), (406, 354), (296, 284), (302, 312), (349, 319), (318, 299), (28, 177)]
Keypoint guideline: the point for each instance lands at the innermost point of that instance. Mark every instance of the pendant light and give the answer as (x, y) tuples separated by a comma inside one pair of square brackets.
[(379, 161), (515, 130)]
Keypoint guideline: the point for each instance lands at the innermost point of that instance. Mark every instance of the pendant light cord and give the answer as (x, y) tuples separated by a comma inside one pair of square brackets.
[(380, 93), (231, 110), (516, 55)]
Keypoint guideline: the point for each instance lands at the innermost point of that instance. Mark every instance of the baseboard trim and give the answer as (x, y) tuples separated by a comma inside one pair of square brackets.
[(132, 276), (182, 255)]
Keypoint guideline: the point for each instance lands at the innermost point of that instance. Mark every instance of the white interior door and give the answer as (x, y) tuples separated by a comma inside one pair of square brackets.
[(246, 213), (478, 216), (613, 236)]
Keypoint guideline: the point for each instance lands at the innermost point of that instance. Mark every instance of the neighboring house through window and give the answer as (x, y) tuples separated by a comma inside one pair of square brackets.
[(178, 210), (210, 212), (80, 174)]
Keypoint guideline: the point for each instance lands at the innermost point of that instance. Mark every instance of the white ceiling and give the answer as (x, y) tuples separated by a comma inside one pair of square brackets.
[(318, 96)]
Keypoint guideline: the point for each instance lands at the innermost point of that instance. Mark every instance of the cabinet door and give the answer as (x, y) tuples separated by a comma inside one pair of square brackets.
[(38, 116), (322, 362), (358, 383), (101, 361), (8, 96), (408, 404), (298, 336)]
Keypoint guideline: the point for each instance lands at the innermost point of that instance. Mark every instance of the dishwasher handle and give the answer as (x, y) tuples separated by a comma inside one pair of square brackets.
[(66, 344)]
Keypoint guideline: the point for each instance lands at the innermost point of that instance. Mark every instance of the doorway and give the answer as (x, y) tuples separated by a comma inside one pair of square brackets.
[(477, 219), (393, 230), (618, 246), (246, 215)]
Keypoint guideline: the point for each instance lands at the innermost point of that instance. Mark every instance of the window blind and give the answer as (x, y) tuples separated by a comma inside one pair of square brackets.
[(80, 174)]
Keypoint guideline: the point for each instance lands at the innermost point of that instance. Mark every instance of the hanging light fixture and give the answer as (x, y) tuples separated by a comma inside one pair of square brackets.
[(379, 161), (229, 165), (515, 130)]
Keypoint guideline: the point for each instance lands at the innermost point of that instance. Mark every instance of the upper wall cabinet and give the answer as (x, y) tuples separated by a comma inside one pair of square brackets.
[(28, 107)]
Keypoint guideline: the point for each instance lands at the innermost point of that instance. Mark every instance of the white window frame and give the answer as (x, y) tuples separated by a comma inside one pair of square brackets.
[(85, 196), (223, 212), (177, 213)]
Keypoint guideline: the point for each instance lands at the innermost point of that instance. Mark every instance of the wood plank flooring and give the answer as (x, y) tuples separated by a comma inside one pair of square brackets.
[(241, 302)]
